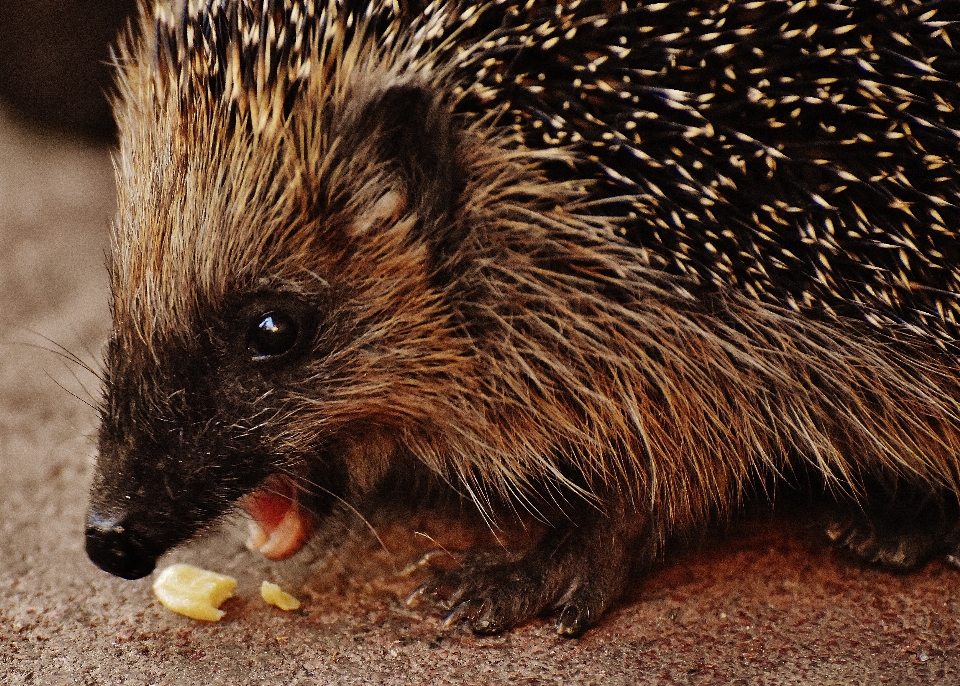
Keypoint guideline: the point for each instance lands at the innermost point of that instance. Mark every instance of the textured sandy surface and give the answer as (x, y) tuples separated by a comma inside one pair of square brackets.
[(772, 606)]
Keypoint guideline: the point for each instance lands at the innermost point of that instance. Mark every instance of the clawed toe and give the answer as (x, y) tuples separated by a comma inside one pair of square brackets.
[(560, 574), (490, 598), (895, 536)]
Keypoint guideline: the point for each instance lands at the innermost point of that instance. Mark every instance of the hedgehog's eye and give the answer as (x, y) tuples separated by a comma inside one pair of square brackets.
[(273, 333)]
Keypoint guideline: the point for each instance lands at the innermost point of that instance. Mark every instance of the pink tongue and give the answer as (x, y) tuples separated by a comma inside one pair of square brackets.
[(280, 527)]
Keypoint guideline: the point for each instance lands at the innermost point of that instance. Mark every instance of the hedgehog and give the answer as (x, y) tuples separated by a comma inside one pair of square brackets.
[(613, 267)]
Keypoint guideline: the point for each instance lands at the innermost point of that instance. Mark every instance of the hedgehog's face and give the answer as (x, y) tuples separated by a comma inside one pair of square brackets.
[(283, 395), (187, 432), (274, 332)]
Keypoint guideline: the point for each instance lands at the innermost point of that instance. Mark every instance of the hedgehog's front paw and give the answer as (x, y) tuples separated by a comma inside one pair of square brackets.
[(579, 571), (899, 531), (896, 550)]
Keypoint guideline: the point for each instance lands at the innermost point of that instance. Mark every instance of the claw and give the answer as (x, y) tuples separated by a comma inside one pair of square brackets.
[(573, 622), (425, 561), (465, 610), (953, 560), (415, 598), (487, 627), (436, 590)]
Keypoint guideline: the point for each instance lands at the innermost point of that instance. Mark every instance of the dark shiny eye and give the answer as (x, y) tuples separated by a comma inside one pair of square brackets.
[(272, 334)]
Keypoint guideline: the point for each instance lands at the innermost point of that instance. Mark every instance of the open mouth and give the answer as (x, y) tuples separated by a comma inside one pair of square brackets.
[(280, 525)]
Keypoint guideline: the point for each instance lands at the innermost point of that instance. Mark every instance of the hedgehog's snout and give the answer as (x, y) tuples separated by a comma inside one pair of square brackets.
[(115, 547)]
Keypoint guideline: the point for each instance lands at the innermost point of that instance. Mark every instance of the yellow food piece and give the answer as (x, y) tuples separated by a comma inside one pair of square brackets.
[(194, 592), (274, 595)]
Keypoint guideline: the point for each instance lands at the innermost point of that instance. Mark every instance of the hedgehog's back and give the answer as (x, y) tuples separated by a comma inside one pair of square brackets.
[(804, 153)]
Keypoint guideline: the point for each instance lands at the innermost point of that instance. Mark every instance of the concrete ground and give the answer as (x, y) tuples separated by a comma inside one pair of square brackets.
[(771, 605)]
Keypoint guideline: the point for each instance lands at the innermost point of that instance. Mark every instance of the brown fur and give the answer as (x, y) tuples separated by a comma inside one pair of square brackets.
[(534, 357)]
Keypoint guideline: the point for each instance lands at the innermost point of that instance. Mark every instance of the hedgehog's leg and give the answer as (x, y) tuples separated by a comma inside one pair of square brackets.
[(579, 570), (896, 527)]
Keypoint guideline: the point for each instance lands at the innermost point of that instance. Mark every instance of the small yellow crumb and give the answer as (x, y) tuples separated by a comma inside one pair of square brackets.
[(274, 595), (194, 592)]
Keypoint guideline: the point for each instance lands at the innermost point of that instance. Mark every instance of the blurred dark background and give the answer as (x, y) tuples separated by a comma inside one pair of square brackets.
[(55, 68)]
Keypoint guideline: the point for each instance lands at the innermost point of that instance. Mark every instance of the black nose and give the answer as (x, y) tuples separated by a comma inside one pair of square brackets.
[(113, 546)]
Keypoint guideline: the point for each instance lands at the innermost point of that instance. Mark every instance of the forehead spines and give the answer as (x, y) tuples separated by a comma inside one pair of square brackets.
[(244, 56), (250, 51)]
